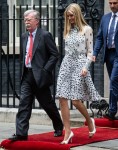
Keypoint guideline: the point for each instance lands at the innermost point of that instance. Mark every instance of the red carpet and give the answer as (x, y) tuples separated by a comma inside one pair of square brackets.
[(103, 122), (46, 141)]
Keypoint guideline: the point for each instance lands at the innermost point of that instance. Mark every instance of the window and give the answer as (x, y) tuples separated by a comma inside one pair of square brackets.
[(46, 11)]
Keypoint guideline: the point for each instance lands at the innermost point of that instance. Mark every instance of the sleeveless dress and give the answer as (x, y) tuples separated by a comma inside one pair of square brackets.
[(78, 54)]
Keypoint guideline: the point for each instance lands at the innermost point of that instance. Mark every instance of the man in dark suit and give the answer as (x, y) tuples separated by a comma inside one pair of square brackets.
[(108, 37), (39, 58)]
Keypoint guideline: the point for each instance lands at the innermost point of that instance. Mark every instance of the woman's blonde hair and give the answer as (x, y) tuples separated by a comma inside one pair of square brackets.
[(79, 19)]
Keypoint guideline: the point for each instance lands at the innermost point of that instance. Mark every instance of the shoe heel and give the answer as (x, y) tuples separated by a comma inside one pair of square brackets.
[(94, 129), (69, 139)]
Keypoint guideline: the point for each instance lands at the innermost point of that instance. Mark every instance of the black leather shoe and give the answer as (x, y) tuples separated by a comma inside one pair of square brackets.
[(18, 138), (58, 133), (109, 116)]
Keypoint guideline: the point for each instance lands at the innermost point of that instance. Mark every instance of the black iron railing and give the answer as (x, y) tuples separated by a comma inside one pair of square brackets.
[(10, 43)]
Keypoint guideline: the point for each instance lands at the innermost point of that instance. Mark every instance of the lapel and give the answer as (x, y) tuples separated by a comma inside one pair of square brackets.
[(116, 28), (36, 40), (25, 39), (107, 20)]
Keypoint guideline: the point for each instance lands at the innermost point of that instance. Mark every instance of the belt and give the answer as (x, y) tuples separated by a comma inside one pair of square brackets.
[(28, 69), (111, 49)]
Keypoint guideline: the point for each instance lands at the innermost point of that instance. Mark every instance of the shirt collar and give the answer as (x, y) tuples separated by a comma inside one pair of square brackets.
[(34, 32), (115, 14)]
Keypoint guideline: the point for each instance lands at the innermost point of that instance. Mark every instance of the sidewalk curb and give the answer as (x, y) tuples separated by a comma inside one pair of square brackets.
[(38, 116)]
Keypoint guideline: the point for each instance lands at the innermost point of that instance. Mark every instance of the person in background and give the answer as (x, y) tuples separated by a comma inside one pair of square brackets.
[(108, 37), (74, 80), (39, 58)]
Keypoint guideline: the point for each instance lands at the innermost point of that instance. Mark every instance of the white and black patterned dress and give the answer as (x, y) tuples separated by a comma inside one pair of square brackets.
[(78, 51)]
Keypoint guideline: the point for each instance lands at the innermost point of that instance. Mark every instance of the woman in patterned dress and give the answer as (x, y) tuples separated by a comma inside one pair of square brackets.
[(74, 81)]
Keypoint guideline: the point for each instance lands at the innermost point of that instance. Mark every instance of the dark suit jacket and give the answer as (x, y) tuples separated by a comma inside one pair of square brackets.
[(44, 58), (116, 40), (102, 35)]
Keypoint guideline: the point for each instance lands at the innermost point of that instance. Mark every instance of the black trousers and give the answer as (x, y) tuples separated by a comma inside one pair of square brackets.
[(30, 90)]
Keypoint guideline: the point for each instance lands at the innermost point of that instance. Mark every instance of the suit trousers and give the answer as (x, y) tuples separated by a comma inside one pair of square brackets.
[(30, 90), (112, 68)]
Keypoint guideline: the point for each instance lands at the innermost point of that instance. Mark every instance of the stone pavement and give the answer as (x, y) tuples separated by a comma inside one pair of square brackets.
[(7, 128)]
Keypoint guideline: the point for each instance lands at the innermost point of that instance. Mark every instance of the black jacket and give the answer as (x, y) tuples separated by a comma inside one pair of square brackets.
[(44, 57)]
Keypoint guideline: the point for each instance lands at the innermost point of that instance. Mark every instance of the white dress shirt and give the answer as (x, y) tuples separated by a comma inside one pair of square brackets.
[(116, 21), (27, 48)]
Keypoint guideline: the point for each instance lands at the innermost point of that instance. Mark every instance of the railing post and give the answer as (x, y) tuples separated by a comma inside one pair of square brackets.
[(40, 11), (54, 34), (74, 1), (14, 21), (7, 55), (47, 14), (0, 56), (60, 28)]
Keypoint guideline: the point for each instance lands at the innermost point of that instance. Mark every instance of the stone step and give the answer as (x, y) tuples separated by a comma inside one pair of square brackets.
[(40, 117), (77, 122)]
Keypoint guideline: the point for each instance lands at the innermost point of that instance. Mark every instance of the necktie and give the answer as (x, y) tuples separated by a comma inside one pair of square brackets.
[(111, 32), (29, 53)]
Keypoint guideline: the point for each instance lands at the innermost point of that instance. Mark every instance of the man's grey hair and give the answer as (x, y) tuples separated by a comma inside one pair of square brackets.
[(34, 12)]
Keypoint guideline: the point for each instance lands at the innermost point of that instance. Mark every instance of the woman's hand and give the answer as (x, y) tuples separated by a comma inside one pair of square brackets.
[(84, 72), (94, 58)]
